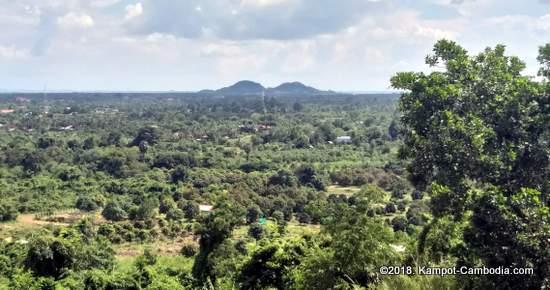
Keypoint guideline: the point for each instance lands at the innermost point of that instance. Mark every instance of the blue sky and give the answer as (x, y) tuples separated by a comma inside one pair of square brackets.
[(194, 44)]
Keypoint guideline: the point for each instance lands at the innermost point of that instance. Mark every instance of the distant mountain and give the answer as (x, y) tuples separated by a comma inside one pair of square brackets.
[(206, 92), (254, 88), (242, 88), (293, 88)]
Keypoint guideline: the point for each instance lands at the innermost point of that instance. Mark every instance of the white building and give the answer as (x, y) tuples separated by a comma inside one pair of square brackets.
[(205, 208), (343, 139)]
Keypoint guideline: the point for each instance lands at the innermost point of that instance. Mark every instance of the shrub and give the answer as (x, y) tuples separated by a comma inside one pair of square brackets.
[(114, 212), (86, 203), (417, 195), (179, 174), (253, 213), (390, 208), (399, 223), (256, 231), (278, 215), (303, 218), (189, 250), (240, 246), (190, 209), (8, 212), (175, 214)]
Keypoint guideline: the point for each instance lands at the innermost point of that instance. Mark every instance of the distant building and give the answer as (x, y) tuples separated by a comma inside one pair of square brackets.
[(22, 100), (206, 207), (343, 139), (67, 128), (106, 110), (264, 127), (6, 111)]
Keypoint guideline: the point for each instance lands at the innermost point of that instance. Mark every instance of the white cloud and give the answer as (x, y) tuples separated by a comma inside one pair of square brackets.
[(160, 37), (543, 22), (74, 20), (521, 21), (194, 44), (264, 3), (469, 8), (251, 19), (104, 3), (13, 53), (222, 50), (133, 11)]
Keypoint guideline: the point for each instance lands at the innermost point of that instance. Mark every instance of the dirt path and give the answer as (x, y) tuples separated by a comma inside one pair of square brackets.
[(30, 220)]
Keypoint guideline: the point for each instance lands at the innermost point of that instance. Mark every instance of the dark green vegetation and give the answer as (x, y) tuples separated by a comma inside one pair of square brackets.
[(111, 191)]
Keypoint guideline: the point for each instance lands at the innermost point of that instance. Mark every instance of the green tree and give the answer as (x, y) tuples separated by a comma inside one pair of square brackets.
[(393, 130), (215, 228), (8, 212), (147, 134), (359, 245), (114, 212), (253, 214), (86, 203), (476, 134), (272, 265), (256, 231), (179, 174), (148, 209), (50, 257), (190, 209)]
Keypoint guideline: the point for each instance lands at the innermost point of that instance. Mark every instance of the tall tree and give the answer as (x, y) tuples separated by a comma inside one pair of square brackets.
[(215, 228), (476, 133)]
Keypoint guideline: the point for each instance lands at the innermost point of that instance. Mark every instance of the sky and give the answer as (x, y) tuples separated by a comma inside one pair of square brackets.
[(185, 45)]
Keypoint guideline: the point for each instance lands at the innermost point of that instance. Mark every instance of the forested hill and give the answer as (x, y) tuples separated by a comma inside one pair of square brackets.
[(247, 87)]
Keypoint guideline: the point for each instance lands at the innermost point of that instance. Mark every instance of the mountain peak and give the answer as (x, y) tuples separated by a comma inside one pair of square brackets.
[(293, 88), (244, 87), (247, 87)]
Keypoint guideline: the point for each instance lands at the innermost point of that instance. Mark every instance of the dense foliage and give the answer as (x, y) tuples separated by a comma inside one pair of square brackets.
[(186, 191), (477, 133)]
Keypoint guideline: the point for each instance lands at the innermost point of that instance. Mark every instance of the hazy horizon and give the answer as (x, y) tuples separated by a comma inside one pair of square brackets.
[(53, 90)]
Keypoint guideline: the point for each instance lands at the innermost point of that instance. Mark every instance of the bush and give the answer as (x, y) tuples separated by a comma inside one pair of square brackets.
[(278, 215), (86, 203), (240, 246), (417, 195), (189, 250), (256, 231), (190, 209), (107, 230), (308, 176), (282, 178), (114, 212), (8, 212), (352, 176), (401, 205), (148, 209), (49, 257), (399, 223), (179, 174), (303, 218), (415, 214), (175, 214), (390, 208), (253, 214)]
